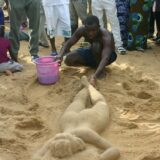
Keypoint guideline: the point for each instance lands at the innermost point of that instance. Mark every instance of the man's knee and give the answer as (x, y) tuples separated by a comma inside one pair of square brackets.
[(69, 60), (73, 59)]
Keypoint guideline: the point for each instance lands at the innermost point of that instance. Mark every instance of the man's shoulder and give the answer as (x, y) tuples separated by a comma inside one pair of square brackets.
[(80, 31)]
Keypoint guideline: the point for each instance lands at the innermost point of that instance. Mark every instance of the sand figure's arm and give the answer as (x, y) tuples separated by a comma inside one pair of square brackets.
[(91, 137)]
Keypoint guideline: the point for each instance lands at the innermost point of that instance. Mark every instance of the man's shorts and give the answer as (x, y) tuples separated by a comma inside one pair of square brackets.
[(89, 58)]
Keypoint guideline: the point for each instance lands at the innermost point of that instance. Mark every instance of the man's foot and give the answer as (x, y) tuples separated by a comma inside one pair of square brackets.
[(54, 53), (84, 81), (121, 50), (34, 57), (43, 45)]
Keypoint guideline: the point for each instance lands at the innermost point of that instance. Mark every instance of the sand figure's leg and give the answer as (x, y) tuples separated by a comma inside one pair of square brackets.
[(79, 102), (95, 95), (98, 101)]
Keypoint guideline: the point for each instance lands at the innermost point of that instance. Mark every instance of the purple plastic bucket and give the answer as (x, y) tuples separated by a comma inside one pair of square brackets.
[(47, 70)]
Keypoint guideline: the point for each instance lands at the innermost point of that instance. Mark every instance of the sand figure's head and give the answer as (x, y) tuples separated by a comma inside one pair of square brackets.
[(65, 145)]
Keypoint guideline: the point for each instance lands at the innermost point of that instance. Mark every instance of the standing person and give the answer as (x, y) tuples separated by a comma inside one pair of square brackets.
[(111, 12), (43, 40), (30, 8), (123, 16), (139, 24), (78, 9), (98, 55), (57, 20)]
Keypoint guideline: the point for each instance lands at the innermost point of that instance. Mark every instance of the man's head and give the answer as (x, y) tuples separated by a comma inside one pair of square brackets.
[(92, 26)]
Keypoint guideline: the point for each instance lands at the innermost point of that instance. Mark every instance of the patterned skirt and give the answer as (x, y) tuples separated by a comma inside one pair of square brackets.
[(138, 23), (123, 16)]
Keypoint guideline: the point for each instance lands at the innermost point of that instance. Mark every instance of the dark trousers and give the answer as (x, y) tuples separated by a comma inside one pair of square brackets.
[(157, 17), (19, 8), (151, 23)]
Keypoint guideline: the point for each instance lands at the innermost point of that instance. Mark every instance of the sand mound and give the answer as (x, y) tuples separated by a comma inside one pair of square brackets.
[(29, 112)]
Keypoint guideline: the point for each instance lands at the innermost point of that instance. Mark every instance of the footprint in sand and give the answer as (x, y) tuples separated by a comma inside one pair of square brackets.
[(154, 156), (126, 86), (140, 95), (6, 141), (129, 125), (31, 124), (144, 95)]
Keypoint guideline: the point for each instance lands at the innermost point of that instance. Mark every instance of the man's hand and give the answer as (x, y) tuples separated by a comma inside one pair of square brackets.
[(59, 59), (93, 80)]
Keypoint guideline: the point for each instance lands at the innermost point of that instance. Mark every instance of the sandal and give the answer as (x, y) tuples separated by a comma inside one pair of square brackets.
[(121, 50)]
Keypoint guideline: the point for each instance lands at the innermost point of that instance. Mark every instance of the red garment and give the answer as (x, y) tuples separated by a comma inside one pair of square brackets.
[(4, 47)]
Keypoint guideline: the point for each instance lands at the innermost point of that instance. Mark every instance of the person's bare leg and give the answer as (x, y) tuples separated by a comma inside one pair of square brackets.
[(52, 42), (79, 102)]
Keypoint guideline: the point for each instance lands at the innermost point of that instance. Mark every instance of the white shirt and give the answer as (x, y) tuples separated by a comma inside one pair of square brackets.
[(54, 2)]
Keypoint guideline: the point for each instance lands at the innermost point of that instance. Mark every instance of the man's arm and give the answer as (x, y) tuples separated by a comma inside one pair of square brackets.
[(106, 52), (74, 39)]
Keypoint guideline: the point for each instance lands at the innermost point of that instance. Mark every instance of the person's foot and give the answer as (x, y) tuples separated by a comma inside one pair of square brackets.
[(54, 53), (8, 72), (43, 45), (121, 50), (140, 49), (34, 57)]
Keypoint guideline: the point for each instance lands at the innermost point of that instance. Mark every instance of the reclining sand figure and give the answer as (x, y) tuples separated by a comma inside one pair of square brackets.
[(80, 126)]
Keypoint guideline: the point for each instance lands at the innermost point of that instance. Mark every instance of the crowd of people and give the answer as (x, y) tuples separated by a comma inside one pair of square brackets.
[(132, 23)]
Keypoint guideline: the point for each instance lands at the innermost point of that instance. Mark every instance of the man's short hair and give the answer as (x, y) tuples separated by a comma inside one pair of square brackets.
[(90, 20)]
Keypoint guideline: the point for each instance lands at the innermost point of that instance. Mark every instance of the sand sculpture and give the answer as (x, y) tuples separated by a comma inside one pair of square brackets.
[(81, 124)]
